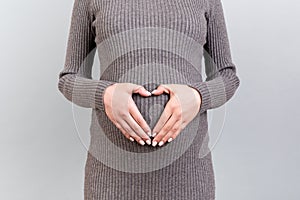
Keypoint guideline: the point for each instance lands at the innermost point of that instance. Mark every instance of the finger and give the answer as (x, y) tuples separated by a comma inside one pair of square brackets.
[(127, 135), (166, 128), (137, 116), (142, 91), (166, 114), (160, 89), (173, 133), (137, 129), (128, 130)]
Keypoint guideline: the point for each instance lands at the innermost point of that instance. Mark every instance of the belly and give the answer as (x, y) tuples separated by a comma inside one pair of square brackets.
[(111, 147)]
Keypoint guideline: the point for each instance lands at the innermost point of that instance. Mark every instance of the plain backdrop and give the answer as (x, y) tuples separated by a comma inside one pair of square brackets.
[(257, 156)]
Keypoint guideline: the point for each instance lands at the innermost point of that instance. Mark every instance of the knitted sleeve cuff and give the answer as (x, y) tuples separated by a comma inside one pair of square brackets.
[(83, 91)]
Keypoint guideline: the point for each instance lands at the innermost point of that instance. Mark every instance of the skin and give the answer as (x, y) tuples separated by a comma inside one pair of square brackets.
[(123, 112), (182, 107)]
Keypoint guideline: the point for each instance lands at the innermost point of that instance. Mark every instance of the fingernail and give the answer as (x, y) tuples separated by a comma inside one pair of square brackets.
[(170, 139), (149, 93), (154, 143), (149, 133), (160, 143), (131, 139), (148, 142), (154, 134), (142, 142), (153, 91)]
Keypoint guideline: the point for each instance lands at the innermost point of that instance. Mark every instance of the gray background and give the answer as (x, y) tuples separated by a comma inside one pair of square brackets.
[(257, 156)]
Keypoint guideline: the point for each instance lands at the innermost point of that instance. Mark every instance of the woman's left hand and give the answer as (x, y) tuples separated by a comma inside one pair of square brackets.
[(182, 107)]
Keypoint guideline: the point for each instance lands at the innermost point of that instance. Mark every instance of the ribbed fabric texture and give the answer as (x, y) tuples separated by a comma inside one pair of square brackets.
[(148, 43)]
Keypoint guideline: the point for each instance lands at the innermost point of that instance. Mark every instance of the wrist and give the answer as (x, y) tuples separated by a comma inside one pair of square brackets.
[(198, 96)]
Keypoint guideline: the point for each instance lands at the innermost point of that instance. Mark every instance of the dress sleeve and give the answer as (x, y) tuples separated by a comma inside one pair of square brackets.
[(222, 81), (75, 81)]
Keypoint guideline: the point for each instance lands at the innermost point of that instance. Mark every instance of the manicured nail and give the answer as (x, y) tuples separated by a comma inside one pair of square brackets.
[(160, 143), (170, 139), (149, 93), (154, 134), (153, 91), (148, 142), (149, 133), (131, 139), (154, 143), (142, 142)]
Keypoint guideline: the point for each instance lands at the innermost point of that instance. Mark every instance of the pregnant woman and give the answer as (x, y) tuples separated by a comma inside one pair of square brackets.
[(149, 107)]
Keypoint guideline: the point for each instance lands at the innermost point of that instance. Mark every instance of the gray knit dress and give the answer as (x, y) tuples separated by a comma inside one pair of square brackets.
[(148, 42)]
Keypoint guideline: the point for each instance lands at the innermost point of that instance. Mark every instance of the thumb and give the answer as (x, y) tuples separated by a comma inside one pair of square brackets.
[(160, 89)]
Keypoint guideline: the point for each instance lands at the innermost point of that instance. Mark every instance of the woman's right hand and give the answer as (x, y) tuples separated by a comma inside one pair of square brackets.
[(123, 112)]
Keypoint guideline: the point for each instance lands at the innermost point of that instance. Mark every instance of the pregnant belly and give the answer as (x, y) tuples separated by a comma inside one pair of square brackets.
[(112, 148)]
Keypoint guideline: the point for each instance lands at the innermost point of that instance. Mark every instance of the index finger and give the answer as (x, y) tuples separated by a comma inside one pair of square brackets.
[(166, 114), (137, 116)]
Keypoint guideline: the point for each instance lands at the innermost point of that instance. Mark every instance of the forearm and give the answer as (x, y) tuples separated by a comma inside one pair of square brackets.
[(217, 91), (83, 91)]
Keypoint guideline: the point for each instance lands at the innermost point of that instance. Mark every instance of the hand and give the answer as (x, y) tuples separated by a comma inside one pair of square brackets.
[(123, 112), (182, 107)]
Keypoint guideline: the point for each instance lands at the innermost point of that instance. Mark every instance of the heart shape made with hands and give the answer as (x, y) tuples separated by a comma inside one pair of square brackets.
[(181, 104)]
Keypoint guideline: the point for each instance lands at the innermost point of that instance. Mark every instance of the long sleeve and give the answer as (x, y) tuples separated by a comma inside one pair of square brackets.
[(222, 81), (75, 81)]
